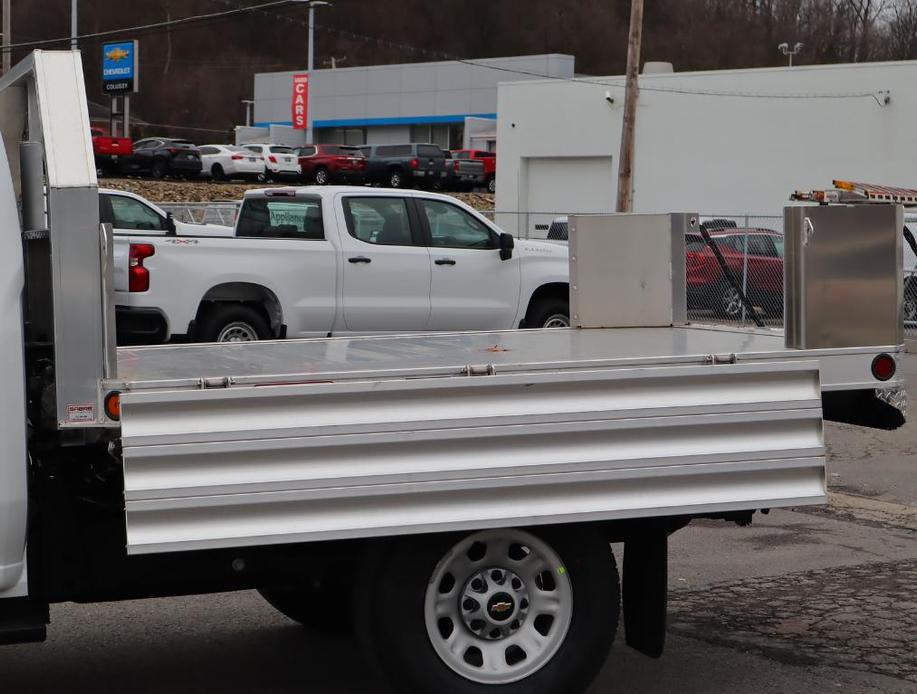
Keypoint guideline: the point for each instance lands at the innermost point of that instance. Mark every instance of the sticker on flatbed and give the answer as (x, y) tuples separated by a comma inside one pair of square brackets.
[(81, 413)]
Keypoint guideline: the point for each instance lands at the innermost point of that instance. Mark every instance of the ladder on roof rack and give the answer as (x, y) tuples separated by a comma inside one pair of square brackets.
[(852, 193)]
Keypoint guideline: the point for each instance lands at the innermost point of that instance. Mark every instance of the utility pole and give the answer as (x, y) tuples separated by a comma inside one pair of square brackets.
[(74, 23), (626, 160), (7, 35)]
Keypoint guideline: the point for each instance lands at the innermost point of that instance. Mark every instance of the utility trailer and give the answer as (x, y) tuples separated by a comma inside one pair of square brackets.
[(451, 496)]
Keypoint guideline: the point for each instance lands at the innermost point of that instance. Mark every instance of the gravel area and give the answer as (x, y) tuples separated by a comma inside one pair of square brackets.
[(208, 191)]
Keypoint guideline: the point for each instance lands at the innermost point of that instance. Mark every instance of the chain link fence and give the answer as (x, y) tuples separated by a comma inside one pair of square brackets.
[(751, 246), (223, 213)]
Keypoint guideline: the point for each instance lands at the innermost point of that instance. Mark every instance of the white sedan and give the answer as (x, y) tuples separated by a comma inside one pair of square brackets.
[(278, 161), (222, 162)]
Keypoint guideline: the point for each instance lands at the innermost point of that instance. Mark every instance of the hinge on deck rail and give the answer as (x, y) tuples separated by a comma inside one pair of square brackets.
[(485, 370), (721, 358), (217, 382)]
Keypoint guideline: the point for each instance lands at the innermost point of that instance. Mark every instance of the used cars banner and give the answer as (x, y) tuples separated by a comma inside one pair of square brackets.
[(301, 101)]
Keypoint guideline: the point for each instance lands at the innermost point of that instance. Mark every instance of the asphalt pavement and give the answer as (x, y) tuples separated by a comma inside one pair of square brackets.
[(803, 601)]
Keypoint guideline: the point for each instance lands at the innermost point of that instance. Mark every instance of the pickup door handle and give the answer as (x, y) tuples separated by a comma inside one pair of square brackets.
[(359, 259), (444, 261)]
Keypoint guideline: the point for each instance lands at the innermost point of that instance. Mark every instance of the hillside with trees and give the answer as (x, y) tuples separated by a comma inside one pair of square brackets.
[(195, 76)]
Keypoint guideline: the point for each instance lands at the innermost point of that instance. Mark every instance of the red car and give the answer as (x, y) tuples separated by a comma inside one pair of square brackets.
[(708, 288), (110, 152), (324, 164), (490, 164)]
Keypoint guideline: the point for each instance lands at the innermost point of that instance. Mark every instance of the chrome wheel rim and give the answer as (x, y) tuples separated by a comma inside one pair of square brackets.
[(732, 304), (321, 177), (238, 331), (498, 606), (395, 180), (910, 308), (558, 320)]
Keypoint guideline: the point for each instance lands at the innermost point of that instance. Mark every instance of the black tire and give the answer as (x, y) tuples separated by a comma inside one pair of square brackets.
[(217, 173), (492, 184), (218, 320), (910, 303), (159, 169), (546, 313), (321, 177), (390, 620), (264, 176), (395, 179), (320, 604), (726, 302)]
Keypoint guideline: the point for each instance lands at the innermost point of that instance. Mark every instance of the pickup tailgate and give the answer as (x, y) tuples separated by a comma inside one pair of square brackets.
[(231, 464)]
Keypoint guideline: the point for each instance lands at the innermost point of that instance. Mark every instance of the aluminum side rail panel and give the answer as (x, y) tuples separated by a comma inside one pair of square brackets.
[(265, 465)]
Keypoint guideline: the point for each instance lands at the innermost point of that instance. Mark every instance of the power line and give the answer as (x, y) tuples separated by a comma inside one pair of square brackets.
[(156, 25)]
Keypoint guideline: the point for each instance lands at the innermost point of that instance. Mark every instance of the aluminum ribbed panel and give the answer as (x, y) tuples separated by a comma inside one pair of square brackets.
[(260, 465)]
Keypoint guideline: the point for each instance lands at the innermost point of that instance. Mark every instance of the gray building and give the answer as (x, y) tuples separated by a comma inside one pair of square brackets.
[(413, 102)]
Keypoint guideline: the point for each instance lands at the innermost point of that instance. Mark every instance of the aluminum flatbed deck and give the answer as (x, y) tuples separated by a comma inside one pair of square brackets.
[(448, 354)]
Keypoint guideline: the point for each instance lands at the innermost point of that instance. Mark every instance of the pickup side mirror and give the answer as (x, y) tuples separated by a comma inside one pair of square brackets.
[(507, 244), (170, 224)]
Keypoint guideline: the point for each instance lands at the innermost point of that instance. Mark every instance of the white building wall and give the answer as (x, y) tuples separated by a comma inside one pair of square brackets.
[(727, 155)]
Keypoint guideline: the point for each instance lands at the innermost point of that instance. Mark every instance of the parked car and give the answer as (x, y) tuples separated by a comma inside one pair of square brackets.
[(324, 164), (164, 156), (462, 174), (110, 152), (222, 162), (707, 287), (489, 160), (405, 166), (314, 261), (279, 161)]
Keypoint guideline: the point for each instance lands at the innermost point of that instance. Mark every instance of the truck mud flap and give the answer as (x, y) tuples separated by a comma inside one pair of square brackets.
[(256, 465)]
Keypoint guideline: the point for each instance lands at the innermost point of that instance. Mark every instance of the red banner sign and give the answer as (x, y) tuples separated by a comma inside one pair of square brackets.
[(301, 101)]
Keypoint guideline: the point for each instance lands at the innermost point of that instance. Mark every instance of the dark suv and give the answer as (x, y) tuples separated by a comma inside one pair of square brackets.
[(165, 156), (401, 166)]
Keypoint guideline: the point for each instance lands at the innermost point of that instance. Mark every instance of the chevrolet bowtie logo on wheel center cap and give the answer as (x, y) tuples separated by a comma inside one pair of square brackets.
[(501, 607)]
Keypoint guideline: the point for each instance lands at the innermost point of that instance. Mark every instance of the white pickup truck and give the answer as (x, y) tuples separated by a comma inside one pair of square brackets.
[(322, 261)]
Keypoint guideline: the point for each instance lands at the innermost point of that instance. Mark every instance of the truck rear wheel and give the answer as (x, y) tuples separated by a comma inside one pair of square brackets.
[(233, 323), (494, 612)]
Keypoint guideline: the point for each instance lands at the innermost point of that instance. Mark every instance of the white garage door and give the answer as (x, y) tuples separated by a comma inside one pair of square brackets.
[(557, 186)]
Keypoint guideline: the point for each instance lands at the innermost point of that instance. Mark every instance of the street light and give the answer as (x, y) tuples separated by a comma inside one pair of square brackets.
[(311, 50), (785, 49)]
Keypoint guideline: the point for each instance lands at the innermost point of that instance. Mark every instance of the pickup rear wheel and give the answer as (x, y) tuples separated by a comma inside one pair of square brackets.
[(395, 179), (233, 323), (549, 313), (495, 612), (492, 184), (321, 176)]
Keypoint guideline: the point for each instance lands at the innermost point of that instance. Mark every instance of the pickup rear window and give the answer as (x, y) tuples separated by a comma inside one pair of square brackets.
[(393, 151), (299, 218), (429, 151)]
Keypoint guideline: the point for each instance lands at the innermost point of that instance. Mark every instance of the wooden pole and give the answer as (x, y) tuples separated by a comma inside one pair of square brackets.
[(626, 160)]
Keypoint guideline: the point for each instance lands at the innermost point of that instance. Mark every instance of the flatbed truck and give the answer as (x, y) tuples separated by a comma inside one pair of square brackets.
[(451, 497)]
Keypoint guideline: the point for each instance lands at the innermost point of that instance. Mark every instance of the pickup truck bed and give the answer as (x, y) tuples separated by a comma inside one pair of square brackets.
[(360, 437)]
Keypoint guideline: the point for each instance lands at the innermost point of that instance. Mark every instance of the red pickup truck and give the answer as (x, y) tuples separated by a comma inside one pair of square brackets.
[(490, 164), (110, 151)]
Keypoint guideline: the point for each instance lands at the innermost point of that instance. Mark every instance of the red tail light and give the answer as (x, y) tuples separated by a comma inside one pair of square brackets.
[(272, 159), (237, 157), (455, 166), (883, 367), (139, 276), (173, 150), (414, 163)]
